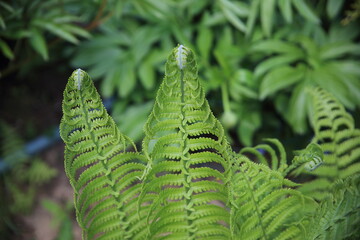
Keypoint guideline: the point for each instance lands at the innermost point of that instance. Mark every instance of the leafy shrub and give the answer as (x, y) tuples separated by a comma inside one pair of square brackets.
[(241, 45), (28, 23), (243, 60)]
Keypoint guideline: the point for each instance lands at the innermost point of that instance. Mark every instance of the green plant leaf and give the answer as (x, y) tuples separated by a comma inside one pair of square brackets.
[(333, 7), (109, 83), (338, 215), (197, 7), (274, 62), (204, 42), (103, 174), (239, 8), (267, 15), (336, 134), (60, 219), (349, 78), (56, 210), (328, 81), (311, 48), (296, 115), (56, 29), (305, 11), (38, 42), (249, 123), (280, 78), (347, 66), (183, 139), (254, 9), (2, 23), (276, 46), (6, 50), (127, 79), (336, 50), (132, 119), (341, 33), (243, 84), (7, 7), (141, 43), (231, 15), (75, 30), (147, 75), (285, 8)]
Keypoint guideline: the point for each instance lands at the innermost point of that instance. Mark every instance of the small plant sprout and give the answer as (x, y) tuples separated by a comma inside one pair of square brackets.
[(181, 55), (78, 76)]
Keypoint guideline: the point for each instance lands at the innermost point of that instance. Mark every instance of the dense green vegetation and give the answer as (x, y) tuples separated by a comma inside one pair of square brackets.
[(257, 61), (187, 182), (255, 57)]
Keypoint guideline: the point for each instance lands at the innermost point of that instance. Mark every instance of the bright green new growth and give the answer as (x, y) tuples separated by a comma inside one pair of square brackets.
[(105, 177), (186, 183)]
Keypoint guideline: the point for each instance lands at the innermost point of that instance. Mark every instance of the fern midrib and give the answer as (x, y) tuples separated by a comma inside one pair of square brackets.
[(185, 156), (120, 209)]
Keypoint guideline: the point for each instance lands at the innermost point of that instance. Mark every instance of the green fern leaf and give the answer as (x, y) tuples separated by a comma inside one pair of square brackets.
[(188, 158), (338, 217), (339, 140), (104, 176), (266, 205)]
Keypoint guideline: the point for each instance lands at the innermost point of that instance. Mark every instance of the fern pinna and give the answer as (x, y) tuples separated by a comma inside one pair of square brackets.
[(186, 183)]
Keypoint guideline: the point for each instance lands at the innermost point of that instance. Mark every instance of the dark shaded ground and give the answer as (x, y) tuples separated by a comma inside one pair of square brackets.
[(38, 225), (31, 104)]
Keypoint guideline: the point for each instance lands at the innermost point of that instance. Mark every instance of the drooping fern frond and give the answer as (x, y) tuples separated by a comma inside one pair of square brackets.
[(186, 179), (340, 142), (338, 216), (104, 176)]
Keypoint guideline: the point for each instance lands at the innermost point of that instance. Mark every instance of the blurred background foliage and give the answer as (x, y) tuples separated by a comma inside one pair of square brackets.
[(256, 60)]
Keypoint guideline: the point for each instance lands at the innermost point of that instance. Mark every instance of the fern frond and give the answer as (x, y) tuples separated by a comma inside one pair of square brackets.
[(105, 177), (338, 216), (188, 156), (339, 140), (267, 206)]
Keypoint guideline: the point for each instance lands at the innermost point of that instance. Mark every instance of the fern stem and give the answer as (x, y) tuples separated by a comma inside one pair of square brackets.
[(225, 97), (185, 156)]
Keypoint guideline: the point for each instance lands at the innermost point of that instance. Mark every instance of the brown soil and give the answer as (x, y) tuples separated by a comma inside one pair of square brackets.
[(39, 222)]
